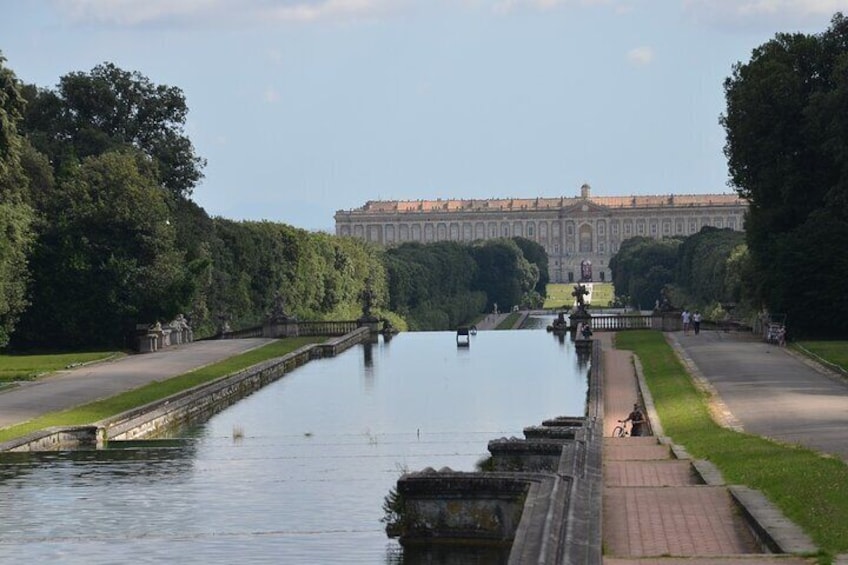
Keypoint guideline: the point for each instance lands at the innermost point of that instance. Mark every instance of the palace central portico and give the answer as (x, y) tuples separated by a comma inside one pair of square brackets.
[(577, 231)]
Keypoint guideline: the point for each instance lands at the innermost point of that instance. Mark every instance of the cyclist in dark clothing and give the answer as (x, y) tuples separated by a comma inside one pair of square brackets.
[(637, 421)]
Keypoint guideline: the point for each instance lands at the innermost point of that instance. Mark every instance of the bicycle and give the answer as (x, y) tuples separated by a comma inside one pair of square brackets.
[(619, 431)]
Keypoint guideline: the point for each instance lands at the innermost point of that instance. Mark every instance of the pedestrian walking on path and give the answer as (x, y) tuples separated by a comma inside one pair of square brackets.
[(637, 421)]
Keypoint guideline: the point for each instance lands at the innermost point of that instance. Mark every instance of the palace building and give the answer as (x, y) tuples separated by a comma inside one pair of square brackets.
[(579, 233)]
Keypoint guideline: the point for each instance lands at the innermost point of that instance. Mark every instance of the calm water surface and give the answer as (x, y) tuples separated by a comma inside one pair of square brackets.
[(306, 482)]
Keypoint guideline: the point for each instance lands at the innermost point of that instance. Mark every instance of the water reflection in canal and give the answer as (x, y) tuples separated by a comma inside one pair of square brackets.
[(305, 483)]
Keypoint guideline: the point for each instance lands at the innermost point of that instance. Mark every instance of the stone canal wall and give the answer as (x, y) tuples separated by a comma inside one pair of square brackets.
[(540, 497), (187, 407)]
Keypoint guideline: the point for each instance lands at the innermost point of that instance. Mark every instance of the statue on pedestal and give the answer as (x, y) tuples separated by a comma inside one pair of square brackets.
[(367, 296), (579, 293), (278, 309)]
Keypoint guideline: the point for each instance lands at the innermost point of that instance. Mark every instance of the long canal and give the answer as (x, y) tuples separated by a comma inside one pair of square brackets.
[(297, 472)]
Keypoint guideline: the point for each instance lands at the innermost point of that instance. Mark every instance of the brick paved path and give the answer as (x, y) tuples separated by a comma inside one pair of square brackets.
[(656, 508)]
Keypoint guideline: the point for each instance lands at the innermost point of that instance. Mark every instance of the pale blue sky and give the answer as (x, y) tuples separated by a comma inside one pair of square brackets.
[(304, 107)]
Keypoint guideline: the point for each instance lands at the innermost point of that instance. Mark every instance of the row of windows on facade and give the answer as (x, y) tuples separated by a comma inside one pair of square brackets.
[(380, 233)]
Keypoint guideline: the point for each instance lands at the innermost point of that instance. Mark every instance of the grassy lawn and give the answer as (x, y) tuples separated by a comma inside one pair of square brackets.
[(810, 489), (602, 294), (28, 367), (95, 411), (559, 295), (835, 352)]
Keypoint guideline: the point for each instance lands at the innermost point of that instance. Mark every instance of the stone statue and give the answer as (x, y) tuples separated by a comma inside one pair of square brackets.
[(278, 310), (579, 293), (665, 303), (367, 297)]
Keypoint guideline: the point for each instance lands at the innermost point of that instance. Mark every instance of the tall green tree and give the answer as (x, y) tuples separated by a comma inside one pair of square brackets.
[(704, 266), (105, 258), (503, 273), (15, 213), (432, 285), (109, 108), (642, 267), (787, 150), (536, 255)]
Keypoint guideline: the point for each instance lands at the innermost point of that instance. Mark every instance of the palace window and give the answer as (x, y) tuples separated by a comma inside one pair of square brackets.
[(585, 239)]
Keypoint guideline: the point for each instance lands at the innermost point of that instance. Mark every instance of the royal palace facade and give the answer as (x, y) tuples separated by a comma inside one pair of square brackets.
[(579, 233)]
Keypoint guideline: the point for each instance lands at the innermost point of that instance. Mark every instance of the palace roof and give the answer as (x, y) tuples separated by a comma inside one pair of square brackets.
[(512, 204)]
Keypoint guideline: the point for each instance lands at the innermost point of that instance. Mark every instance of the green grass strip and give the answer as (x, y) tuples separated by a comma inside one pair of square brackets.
[(100, 409), (833, 352), (509, 322), (810, 489), (25, 367)]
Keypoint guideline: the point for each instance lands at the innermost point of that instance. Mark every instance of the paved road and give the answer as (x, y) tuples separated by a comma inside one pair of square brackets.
[(770, 391), (85, 384)]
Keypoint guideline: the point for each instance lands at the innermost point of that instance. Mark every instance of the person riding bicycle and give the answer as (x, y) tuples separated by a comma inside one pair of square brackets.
[(637, 421)]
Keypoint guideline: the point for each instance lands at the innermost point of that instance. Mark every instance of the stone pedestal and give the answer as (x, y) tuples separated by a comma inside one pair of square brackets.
[(667, 321), (370, 322), (576, 320), (276, 328)]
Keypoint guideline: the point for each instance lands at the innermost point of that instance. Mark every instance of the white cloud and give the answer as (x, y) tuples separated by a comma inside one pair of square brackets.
[(133, 12), (640, 55), (128, 13), (507, 6), (306, 11), (777, 15), (271, 95)]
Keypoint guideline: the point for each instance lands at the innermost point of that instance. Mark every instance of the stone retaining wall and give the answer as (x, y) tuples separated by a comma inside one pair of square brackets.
[(190, 406)]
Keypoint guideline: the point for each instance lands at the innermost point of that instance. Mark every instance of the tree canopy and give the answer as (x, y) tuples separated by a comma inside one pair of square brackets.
[(15, 212), (787, 151), (642, 267), (105, 257), (107, 109)]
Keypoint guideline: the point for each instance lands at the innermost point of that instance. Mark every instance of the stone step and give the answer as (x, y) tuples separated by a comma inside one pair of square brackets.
[(621, 451), (670, 472), (674, 522), (724, 560), (642, 440)]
